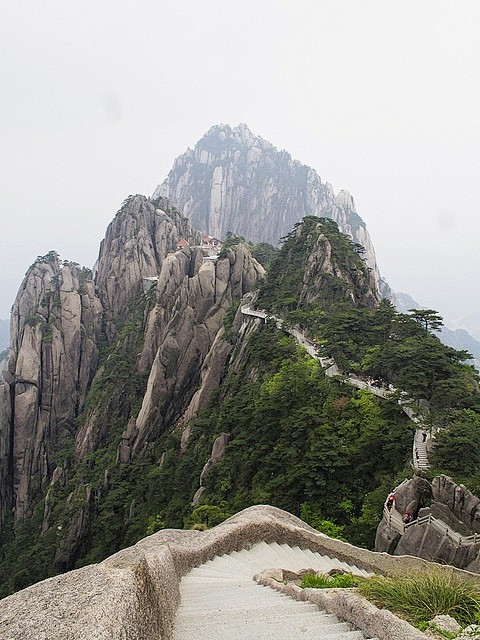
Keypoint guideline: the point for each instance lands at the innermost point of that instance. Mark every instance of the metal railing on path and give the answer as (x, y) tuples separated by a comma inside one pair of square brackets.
[(420, 458)]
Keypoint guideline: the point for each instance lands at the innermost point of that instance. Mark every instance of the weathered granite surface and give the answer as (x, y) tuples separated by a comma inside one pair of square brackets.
[(134, 594), (456, 510), (138, 239), (235, 181), (349, 606), (56, 320)]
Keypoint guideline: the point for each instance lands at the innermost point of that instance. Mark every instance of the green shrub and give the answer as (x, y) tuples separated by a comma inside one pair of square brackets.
[(154, 524), (421, 596), (207, 516)]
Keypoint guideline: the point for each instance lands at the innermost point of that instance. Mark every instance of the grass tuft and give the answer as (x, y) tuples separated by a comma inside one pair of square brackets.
[(421, 596), (322, 581)]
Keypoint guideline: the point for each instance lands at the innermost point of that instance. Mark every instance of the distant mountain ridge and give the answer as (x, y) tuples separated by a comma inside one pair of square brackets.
[(236, 181), (233, 180), (469, 322), (456, 338)]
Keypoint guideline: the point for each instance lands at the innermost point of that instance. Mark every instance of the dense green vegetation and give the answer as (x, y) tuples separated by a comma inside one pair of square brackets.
[(298, 440), (263, 252), (375, 342), (317, 270), (296, 436)]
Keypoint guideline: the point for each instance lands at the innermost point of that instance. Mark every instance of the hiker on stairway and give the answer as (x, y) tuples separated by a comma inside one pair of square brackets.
[(390, 501)]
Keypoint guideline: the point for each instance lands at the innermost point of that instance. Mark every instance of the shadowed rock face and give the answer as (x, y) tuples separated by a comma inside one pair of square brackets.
[(186, 328), (235, 181), (56, 320), (57, 324), (183, 352)]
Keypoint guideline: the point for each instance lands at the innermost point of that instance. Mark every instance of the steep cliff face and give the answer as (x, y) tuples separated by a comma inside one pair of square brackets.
[(136, 242), (317, 267), (183, 352), (323, 263), (72, 429), (235, 181), (55, 324)]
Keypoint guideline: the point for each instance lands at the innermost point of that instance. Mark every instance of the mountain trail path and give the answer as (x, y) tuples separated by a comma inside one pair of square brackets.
[(420, 456), (220, 599)]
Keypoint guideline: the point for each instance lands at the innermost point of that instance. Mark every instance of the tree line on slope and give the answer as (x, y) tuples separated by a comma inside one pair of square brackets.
[(299, 441)]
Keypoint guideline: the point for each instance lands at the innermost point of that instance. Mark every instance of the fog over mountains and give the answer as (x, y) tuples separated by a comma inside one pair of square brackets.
[(235, 181)]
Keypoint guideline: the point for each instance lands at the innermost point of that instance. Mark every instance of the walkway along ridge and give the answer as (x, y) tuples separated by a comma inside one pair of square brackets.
[(420, 458)]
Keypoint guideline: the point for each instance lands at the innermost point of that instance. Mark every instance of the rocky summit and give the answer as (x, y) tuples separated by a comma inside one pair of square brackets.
[(154, 310), (194, 373), (233, 180)]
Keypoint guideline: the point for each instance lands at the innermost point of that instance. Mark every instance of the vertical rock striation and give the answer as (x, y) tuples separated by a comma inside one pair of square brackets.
[(193, 297), (235, 181), (142, 233), (55, 323)]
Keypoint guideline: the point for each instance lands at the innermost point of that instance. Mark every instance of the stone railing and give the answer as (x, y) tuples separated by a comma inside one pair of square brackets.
[(394, 519), (440, 526), (332, 370), (135, 593)]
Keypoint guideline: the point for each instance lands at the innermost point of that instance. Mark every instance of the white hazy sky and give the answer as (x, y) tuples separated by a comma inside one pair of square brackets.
[(380, 97)]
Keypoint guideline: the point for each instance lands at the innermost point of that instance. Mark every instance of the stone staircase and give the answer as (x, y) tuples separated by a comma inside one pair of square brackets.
[(420, 455), (220, 600)]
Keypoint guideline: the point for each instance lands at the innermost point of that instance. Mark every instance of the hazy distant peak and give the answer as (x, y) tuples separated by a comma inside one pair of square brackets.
[(345, 200), (241, 134)]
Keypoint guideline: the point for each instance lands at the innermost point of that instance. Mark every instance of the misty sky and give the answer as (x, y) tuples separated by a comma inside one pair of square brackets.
[(380, 97)]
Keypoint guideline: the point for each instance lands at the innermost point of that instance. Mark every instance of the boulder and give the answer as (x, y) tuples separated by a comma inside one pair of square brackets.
[(412, 495), (463, 504), (445, 623)]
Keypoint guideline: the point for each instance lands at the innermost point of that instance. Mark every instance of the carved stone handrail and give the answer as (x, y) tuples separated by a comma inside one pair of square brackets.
[(135, 593), (395, 521)]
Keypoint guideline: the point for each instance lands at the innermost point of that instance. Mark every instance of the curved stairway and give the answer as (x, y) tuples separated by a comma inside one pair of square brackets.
[(221, 601), (420, 455)]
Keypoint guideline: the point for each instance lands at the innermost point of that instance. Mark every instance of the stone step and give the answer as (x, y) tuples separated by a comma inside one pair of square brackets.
[(224, 618), (265, 631), (253, 609), (220, 600), (215, 600), (314, 560), (264, 628)]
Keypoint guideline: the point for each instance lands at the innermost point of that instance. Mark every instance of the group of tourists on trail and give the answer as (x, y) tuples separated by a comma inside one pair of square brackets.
[(390, 504)]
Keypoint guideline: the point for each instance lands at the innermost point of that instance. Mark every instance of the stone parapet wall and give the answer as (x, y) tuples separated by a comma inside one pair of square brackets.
[(134, 594), (348, 606)]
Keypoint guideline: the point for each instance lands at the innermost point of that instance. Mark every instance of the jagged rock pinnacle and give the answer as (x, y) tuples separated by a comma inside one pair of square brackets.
[(234, 180)]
